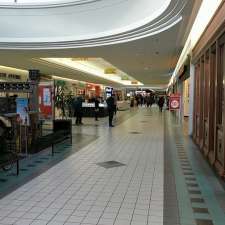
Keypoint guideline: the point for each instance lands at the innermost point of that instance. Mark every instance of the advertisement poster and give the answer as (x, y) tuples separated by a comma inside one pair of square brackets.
[(175, 100), (45, 101), (22, 110)]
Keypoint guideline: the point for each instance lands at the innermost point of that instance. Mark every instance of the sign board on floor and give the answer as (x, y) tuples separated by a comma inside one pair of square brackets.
[(22, 110), (45, 100), (175, 100)]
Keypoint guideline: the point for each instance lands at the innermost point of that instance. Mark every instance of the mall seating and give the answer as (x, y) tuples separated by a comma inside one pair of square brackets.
[(8, 159), (62, 130)]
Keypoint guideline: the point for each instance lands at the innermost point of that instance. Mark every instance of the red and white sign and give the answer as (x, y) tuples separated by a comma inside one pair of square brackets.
[(175, 100), (45, 100)]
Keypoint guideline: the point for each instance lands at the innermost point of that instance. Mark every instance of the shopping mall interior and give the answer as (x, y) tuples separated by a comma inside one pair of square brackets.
[(112, 112)]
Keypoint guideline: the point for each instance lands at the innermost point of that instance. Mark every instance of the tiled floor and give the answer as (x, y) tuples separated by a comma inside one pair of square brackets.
[(195, 193), (79, 190), (144, 171)]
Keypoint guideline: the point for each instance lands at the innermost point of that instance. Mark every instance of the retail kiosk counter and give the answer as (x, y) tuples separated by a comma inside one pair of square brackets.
[(89, 109)]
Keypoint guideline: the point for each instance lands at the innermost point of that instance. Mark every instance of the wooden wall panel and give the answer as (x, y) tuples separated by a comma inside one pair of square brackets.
[(209, 105)]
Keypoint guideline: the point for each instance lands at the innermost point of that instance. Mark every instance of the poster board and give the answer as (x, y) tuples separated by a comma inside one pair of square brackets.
[(45, 96), (22, 110)]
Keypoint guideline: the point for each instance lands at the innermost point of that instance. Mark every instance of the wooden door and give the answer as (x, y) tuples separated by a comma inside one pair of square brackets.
[(206, 105), (219, 156), (196, 130), (212, 101)]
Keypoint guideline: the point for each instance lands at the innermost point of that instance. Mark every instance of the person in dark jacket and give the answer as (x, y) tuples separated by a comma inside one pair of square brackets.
[(111, 109), (96, 101), (78, 111), (161, 103)]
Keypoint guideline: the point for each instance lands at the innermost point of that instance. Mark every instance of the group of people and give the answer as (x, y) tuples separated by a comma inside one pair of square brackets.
[(148, 101), (111, 101), (111, 106)]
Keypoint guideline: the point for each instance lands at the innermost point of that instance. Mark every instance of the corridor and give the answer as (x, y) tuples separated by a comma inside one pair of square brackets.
[(144, 171)]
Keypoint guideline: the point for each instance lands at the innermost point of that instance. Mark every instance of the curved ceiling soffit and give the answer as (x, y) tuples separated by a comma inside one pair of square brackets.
[(37, 5), (169, 18)]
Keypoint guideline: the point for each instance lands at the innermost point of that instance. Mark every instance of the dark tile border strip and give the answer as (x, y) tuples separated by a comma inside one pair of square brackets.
[(170, 210), (192, 185)]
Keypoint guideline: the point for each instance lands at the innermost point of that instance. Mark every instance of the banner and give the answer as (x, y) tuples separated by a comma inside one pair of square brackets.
[(175, 100), (22, 110), (45, 101)]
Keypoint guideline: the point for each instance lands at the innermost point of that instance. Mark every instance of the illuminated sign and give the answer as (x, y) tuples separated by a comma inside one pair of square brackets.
[(10, 76), (110, 71)]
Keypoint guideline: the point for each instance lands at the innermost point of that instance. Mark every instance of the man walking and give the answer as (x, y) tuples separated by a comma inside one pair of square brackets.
[(96, 101), (78, 111), (111, 109)]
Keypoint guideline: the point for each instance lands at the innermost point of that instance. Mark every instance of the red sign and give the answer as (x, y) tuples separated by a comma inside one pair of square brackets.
[(175, 101), (45, 101)]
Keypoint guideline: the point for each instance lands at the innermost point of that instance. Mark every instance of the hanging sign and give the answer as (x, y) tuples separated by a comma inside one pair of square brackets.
[(110, 70), (175, 100)]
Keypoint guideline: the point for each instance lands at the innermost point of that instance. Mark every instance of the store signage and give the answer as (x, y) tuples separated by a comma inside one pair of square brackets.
[(34, 75), (175, 100), (10, 76), (15, 87), (134, 82), (110, 71)]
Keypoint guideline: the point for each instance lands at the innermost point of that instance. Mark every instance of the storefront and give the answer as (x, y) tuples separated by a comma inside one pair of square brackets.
[(33, 103), (209, 111)]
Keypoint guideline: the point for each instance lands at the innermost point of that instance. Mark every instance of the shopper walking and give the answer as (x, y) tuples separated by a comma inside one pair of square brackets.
[(161, 103), (115, 103), (96, 101), (78, 110), (111, 109)]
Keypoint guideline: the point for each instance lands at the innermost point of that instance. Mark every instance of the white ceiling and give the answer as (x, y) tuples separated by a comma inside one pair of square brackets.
[(150, 59)]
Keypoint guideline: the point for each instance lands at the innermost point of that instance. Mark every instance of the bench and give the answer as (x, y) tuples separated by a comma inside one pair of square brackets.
[(62, 130), (7, 159)]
